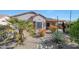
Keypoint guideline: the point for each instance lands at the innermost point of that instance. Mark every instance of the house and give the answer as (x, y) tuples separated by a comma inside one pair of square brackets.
[(40, 21), (3, 19)]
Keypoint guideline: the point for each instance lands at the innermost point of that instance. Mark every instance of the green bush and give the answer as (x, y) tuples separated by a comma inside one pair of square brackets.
[(30, 28), (74, 31)]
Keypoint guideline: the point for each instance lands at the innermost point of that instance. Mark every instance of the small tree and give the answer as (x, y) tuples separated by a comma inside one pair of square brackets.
[(21, 26)]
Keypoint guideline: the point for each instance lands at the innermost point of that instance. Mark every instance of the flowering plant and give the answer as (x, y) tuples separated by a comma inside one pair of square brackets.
[(42, 32)]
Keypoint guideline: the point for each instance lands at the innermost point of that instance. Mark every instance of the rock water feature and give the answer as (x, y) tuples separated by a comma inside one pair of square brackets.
[(8, 37)]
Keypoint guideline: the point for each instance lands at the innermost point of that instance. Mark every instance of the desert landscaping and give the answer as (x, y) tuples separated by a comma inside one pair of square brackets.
[(34, 31)]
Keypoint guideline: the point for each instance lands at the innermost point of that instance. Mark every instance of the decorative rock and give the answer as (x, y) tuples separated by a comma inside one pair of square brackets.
[(8, 38)]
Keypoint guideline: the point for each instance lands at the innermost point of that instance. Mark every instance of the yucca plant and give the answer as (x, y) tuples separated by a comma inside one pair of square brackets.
[(21, 26)]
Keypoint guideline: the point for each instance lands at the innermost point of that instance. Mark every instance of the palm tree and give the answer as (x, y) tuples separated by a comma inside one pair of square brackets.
[(21, 26)]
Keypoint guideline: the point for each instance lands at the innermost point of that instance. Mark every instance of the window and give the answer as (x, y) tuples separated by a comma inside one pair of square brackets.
[(39, 25)]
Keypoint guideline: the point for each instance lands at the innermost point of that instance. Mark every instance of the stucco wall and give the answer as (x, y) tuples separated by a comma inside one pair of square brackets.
[(40, 19)]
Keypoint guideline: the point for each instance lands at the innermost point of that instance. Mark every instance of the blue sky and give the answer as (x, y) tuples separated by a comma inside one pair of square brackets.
[(62, 14)]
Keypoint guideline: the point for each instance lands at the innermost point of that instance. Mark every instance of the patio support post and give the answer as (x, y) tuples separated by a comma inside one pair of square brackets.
[(70, 18), (57, 24)]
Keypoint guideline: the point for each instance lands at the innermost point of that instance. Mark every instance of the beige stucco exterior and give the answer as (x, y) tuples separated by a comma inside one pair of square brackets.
[(39, 19)]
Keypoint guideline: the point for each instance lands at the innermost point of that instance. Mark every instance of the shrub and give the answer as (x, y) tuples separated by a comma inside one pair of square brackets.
[(74, 31), (42, 32), (53, 28), (30, 28)]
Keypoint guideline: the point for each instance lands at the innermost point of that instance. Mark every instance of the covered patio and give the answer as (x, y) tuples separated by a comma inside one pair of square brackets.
[(54, 22)]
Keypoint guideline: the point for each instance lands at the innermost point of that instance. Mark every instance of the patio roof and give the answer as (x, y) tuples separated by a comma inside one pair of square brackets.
[(54, 20)]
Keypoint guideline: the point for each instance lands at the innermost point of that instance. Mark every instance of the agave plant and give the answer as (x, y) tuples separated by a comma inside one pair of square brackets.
[(58, 38)]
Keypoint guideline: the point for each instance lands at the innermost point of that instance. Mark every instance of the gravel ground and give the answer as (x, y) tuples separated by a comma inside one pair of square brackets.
[(45, 43)]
